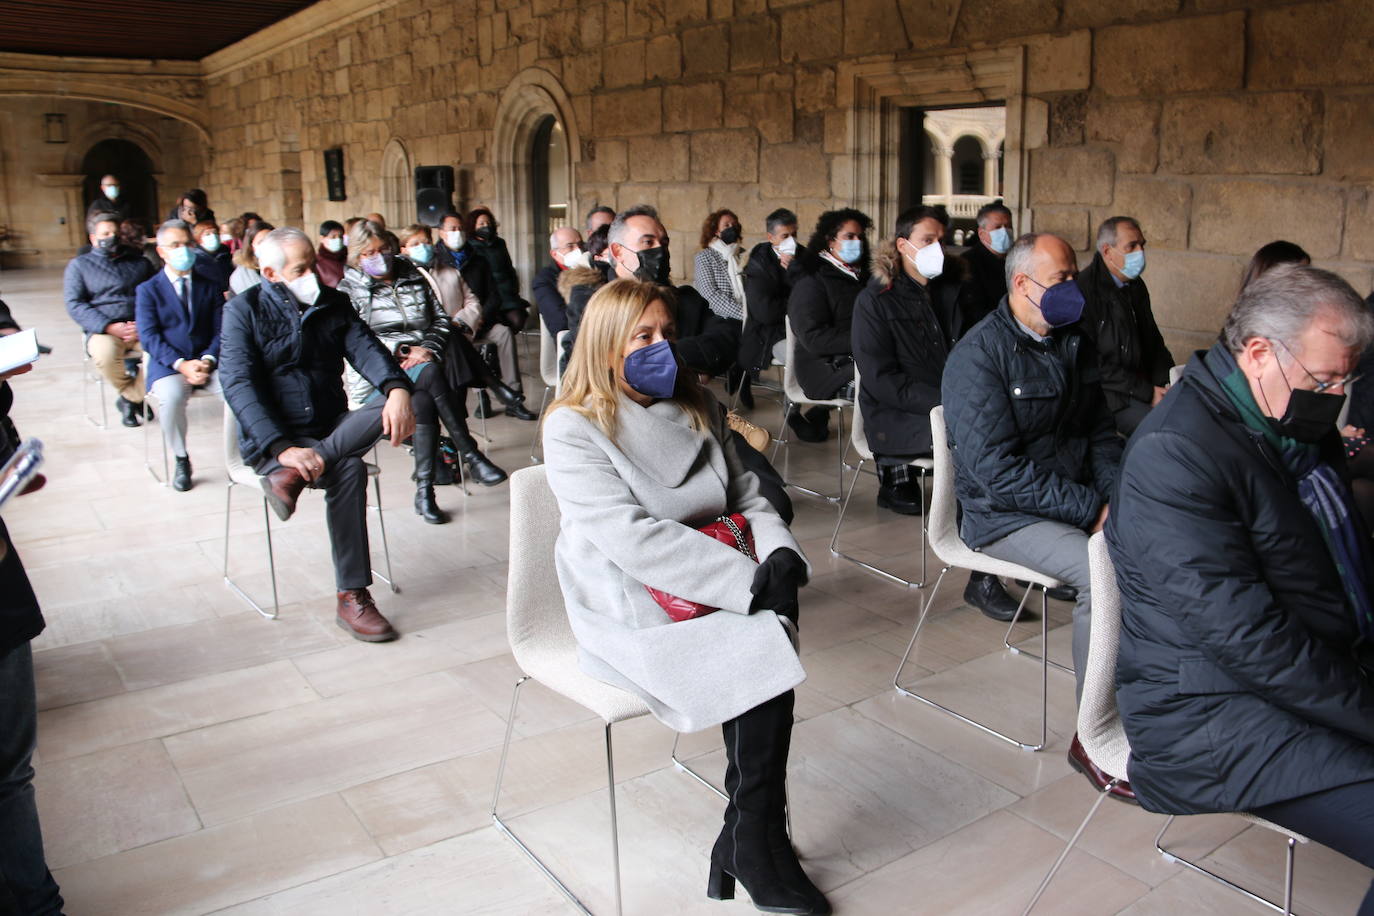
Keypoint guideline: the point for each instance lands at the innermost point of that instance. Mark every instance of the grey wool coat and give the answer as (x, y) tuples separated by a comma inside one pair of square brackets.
[(629, 510)]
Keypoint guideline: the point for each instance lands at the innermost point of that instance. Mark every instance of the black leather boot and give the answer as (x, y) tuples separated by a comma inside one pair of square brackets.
[(513, 400), (752, 847), (128, 411), (483, 411), (899, 489), (426, 440), (803, 427), (479, 466), (987, 594)]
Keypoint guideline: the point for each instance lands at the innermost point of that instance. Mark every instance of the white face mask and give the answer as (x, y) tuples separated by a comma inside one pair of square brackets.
[(226, 238), (334, 244), (305, 288), (577, 258), (788, 247), (454, 239), (929, 261)]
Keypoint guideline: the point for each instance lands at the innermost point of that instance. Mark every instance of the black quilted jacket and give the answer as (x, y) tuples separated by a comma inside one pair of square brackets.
[(99, 289), (1031, 435)]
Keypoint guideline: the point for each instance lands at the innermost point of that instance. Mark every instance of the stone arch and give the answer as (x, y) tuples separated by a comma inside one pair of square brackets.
[(534, 95), (109, 91), (398, 200), (968, 159)]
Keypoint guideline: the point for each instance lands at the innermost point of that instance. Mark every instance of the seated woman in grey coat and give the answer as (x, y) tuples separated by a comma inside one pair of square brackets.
[(639, 456)]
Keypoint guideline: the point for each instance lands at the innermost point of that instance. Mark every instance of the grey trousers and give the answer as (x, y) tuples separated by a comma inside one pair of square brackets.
[(345, 490), (1061, 551), (172, 392)]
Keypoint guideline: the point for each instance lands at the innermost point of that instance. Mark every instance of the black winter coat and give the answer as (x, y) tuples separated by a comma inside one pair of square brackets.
[(821, 310), (553, 310), (706, 342), (282, 369), (987, 282), (20, 617), (1238, 676), (766, 290), (99, 289), (503, 275), (1130, 349), (1031, 436), (900, 347)]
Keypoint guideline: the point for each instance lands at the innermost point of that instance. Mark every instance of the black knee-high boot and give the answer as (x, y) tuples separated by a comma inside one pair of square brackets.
[(480, 468), (426, 442), (753, 847)]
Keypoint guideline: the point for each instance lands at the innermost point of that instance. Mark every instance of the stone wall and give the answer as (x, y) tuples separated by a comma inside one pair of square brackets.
[(40, 182), (1220, 124)]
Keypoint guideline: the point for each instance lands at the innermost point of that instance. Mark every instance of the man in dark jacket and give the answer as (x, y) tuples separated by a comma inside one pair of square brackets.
[(283, 345), (98, 287), (1130, 350), (986, 258), (108, 202), (565, 248), (1247, 637), (767, 286), (1035, 451), (905, 324)]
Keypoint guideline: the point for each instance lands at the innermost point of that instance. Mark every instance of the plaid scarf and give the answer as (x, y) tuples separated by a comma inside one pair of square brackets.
[(1325, 495)]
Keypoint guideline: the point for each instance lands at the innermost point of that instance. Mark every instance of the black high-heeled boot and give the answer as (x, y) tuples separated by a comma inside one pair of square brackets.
[(514, 401), (426, 441), (747, 850), (480, 468)]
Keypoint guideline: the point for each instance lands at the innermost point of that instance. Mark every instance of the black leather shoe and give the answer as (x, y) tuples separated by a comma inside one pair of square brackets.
[(427, 508), (804, 430), (1058, 593), (181, 477), (519, 411), (128, 411), (987, 594), (898, 490), (481, 469)]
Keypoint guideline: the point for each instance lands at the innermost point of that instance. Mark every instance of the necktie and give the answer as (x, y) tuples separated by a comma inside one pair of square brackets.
[(183, 293)]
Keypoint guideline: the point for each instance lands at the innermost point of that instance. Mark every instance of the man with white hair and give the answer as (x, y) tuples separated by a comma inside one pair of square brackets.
[(565, 247), (178, 315), (283, 346), (1245, 673)]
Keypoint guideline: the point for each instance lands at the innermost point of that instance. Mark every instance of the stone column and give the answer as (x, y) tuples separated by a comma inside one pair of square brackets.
[(990, 161), (944, 171)]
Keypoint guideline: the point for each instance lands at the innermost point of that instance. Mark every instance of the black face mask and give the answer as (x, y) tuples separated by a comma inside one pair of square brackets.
[(486, 233), (653, 266), (107, 244), (1310, 415), (729, 235)]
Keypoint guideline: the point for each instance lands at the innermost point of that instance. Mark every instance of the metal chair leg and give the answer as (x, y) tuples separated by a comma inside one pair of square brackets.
[(672, 755), (1006, 640), (1286, 908), (1044, 678), (534, 440), (1067, 849), (90, 378), (386, 548), (876, 570), (615, 825), (271, 560)]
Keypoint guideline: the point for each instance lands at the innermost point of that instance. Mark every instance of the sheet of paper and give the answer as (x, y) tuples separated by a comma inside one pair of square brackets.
[(18, 350)]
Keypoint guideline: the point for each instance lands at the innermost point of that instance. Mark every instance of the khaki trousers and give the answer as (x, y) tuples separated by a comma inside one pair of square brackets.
[(108, 353)]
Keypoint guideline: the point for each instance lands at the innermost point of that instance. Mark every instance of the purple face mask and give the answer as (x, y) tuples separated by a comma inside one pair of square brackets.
[(377, 264), (652, 370)]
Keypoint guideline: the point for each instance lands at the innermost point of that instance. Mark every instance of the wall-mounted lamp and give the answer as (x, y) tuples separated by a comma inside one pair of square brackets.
[(54, 128)]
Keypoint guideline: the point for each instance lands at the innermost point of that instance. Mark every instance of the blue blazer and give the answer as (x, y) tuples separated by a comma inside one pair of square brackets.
[(167, 332)]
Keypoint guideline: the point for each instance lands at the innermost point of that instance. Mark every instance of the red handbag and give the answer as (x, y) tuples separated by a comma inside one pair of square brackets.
[(728, 529)]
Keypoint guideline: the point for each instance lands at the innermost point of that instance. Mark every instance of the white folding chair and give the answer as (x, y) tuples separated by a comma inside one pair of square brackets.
[(149, 402), (858, 440), (549, 349), (546, 650), (91, 378), (793, 396), (1104, 737), (241, 474), (946, 543)]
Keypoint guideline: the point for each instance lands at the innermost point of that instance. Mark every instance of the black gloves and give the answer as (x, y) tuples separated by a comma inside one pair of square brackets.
[(776, 583)]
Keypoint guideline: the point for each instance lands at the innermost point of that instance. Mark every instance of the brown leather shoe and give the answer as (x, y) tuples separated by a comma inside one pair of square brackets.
[(358, 615), (281, 488), (1078, 759)]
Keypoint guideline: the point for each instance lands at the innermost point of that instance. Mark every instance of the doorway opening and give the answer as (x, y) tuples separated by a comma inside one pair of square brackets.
[(952, 157), (548, 185), (128, 162)]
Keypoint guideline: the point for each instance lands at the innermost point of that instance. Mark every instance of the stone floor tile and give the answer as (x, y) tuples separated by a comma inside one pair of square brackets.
[(75, 674)]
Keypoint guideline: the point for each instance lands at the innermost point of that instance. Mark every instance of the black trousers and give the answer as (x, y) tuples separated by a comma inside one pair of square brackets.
[(1340, 818), (345, 490)]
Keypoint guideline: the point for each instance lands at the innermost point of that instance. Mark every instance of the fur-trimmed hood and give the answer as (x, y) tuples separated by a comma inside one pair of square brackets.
[(578, 276)]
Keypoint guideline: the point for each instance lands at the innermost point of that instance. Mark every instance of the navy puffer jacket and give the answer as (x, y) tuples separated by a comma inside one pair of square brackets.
[(1031, 435)]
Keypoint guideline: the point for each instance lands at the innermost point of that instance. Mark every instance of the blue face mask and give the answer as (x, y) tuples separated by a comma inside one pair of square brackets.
[(851, 250), (422, 254), (652, 370), (999, 240), (1134, 265), (181, 258), (1061, 304)]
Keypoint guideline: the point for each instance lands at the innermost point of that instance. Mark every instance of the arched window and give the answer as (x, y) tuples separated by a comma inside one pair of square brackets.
[(968, 166), (548, 184), (398, 196)]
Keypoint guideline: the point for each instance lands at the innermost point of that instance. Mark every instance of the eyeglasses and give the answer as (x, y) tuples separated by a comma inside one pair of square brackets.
[(1321, 386)]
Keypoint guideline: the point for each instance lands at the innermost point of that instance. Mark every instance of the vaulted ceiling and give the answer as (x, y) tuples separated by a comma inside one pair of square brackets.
[(160, 29)]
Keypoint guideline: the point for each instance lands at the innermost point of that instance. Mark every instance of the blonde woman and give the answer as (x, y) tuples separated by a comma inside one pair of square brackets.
[(639, 457)]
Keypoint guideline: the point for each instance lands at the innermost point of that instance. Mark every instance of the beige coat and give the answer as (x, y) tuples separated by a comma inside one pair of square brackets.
[(629, 508)]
